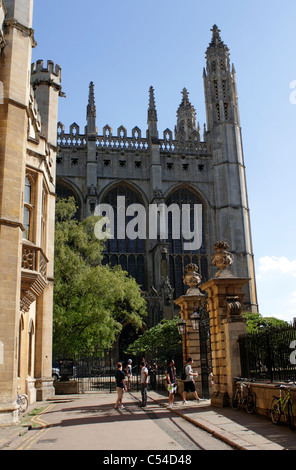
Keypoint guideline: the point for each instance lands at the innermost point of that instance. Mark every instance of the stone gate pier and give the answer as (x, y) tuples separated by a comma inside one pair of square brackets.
[(224, 295)]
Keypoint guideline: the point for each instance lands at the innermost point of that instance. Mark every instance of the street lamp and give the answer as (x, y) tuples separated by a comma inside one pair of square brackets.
[(195, 318), (181, 325)]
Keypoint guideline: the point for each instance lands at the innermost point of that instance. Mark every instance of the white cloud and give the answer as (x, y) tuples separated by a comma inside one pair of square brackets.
[(281, 265)]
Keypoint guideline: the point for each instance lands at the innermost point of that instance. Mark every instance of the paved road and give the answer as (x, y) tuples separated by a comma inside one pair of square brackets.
[(92, 423)]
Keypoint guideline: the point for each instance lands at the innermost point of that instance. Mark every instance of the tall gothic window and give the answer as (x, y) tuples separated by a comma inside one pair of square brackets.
[(129, 254), (28, 208), (179, 257), (44, 219), (30, 348)]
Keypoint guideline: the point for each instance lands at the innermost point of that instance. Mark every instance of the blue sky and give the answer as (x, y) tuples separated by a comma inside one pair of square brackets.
[(126, 46)]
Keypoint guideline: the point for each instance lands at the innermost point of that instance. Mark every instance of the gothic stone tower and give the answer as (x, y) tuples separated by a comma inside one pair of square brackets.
[(175, 168), (224, 132)]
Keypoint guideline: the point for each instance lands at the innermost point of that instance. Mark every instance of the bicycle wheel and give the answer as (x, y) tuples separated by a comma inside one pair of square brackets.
[(235, 401), (291, 415), (251, 403), (275, 411), (23, 403)]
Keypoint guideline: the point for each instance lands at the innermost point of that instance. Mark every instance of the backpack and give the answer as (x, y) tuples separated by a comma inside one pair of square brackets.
[(183, 374)]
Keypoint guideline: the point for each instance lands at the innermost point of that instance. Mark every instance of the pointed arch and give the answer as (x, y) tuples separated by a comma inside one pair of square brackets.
[(128, 252), (179, 256), (20, 341), (65, 189), (31, 333)]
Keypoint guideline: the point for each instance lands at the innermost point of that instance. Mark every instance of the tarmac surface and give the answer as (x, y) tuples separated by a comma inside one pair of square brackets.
[(237, 430)]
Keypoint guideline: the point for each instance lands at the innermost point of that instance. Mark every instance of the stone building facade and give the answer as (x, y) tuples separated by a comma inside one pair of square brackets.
[(180, 167), (186, 166), (28, 138)]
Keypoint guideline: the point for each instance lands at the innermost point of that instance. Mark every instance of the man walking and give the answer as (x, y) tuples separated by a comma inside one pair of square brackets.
[(144, 383), (189, 384), (120, 385)]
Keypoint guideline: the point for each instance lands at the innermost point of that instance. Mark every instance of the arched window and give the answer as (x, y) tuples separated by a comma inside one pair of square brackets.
[(44, 212), (28, 208), (180, 257), (19, 352), (30, 348), (64, 190), (128, 252)]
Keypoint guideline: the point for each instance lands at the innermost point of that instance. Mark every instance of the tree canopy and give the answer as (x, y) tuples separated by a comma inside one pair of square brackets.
[(164, 335), (91, 301), (256, 322)]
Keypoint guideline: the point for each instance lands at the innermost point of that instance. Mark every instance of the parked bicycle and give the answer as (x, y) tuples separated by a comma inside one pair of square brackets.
[(283, 406), (243, 396), (22, 401)]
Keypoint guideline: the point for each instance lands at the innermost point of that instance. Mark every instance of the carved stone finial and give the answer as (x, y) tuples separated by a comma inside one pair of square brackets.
[(223, 259), (152, 115), (192, 279), (216, 34), (91, 107), (216, 43)]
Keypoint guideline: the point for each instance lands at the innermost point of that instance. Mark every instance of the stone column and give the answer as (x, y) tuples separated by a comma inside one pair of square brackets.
[(188, 304), (225, 300)]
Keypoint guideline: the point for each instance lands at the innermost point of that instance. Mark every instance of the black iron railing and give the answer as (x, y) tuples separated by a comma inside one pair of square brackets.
[(269, 354), (97, 372)]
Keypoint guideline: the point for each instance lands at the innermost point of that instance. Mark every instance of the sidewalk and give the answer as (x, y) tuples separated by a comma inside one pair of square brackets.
[(236, 428)]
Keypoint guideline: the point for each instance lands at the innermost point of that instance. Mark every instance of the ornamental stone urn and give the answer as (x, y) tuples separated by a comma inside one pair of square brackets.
[(223, 259), (192, 279)]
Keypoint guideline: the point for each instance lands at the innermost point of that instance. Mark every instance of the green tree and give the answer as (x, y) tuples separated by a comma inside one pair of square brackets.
[(163, 335), (91, 301), (256, 322)]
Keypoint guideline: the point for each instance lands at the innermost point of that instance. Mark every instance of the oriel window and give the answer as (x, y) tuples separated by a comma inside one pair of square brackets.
[(28, 209)]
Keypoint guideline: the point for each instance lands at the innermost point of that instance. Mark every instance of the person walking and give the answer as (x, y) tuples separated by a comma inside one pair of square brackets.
[(144, 383), (189, 384), (120, 385), (129, 374), (171, 381), (153, 371)]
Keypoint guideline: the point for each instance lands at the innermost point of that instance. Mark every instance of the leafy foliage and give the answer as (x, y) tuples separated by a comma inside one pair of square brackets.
[(91, 301), (256, 322), (163, 335)]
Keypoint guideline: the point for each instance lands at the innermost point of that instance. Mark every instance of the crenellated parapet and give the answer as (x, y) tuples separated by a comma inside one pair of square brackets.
[(50, 74), (46, 83), (120, 140)]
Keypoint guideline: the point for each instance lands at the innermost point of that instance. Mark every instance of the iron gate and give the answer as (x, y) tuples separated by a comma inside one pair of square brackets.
[(205, 348), (97, 373)]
